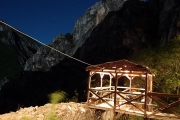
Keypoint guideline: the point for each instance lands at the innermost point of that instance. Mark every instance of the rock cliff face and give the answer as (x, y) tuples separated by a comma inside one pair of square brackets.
[(135, 26), (45, 58), (169, 18), (15, 49), (93, 16), (25, 46)]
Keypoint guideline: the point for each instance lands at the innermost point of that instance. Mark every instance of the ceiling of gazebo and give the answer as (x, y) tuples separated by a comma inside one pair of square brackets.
[(119, 66)]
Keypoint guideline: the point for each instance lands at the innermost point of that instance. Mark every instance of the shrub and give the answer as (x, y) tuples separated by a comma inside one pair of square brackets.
[(51, 116), (69, 37), (58, 96), (165, 62)]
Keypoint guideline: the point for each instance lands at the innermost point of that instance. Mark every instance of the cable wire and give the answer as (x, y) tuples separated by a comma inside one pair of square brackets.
[(45, 44)]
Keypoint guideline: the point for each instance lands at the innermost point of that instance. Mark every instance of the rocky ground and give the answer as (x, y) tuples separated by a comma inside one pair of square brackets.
[(61, 111)]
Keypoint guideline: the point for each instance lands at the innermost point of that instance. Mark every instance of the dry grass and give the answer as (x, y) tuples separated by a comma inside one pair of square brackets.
[(61, 111)]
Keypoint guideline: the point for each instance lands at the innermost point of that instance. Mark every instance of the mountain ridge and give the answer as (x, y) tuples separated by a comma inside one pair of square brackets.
[(122, 34), (45, 58)]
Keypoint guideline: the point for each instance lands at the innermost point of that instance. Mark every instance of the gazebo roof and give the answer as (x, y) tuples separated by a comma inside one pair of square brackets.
[(119, 66)]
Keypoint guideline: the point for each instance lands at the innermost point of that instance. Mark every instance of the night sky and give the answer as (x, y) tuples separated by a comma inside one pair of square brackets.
[(43, 19)]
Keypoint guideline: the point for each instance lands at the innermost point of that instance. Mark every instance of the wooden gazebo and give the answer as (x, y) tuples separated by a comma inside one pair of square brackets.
[(126, 87)]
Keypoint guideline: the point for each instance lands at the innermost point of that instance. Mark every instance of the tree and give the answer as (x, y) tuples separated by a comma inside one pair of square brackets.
[(68, 36)]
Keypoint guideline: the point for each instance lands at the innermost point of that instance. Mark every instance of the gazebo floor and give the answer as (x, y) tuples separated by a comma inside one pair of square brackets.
[(131, 110)]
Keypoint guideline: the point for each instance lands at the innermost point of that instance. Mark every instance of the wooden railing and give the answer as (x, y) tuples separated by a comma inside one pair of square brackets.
[(155, 102), (164, 106), (106, 94), (99, 95)]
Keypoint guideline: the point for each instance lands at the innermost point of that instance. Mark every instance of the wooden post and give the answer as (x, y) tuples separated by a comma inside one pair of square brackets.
[(130, 84), (101, 75), (145, 104), (115, 90), (149, 87), (89, 85), (150, 82), (110, 82)]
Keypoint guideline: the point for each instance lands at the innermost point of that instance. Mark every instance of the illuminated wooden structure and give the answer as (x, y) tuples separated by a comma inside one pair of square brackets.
[(114, 86)]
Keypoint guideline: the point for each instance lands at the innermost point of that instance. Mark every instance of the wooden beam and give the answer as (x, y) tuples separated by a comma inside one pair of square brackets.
[(150, 82), (89, 82), (100, 98), (101, 76), (136, 98), (130, 83), (163, 95), (131, 93), (130, 101), (115, 91), (91, 73), (145, 102), (113, 74), (131, 73), (161, 116), (110, 81), (171, 106)]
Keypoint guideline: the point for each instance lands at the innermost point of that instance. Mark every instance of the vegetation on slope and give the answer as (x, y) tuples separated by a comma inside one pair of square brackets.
[(165, 62)]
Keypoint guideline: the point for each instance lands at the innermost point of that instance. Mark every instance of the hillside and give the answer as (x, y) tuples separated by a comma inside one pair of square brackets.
[(165, 62), (141, 32), (15, 50), (61, 111)]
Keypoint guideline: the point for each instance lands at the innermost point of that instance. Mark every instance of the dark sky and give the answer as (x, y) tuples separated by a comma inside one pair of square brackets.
[(43, 19)]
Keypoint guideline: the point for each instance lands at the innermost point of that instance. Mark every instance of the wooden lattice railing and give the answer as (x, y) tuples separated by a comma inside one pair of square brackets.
[(165, 107), (156, 102)]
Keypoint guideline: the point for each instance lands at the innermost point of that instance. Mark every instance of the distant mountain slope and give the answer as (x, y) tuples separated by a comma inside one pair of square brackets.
[(137, 25), (136, 28), (15, 50)]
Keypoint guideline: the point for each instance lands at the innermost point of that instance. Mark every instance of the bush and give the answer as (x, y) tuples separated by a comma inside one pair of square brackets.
[(58, 96), (69, 37), (165, 63), (51, 116)]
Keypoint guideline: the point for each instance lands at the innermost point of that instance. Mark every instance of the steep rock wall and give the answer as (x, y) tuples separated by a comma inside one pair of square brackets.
[(92, 17), (45, 58), (15, 49), (25, 46), (135, 26)]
